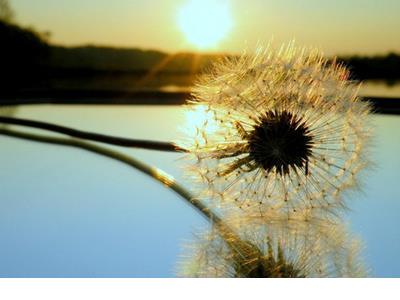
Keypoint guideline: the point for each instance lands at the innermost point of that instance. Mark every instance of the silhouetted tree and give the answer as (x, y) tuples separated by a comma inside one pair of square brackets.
[(22, 53), (6, 12), (375, 67)]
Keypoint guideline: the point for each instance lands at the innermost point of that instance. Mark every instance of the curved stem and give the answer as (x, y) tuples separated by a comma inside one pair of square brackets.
[(154, 172), (107, 139), (238, 247)]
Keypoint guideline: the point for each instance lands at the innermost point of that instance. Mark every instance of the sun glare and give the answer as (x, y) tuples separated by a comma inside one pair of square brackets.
[(198, 116), (205, 22)]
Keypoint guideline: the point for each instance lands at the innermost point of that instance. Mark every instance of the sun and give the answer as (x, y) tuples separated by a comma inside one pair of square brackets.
[(205, 22)]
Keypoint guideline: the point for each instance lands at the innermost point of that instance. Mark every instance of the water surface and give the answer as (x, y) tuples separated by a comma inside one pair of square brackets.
[(69, 213)]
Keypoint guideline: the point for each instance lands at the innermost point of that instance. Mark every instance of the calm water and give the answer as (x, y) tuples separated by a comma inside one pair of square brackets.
[(66, 212), (369, 88), (379, 88)]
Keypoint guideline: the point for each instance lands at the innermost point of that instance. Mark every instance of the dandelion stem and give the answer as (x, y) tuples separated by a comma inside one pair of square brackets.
[(231, 238), (153, 172), (107, 139)]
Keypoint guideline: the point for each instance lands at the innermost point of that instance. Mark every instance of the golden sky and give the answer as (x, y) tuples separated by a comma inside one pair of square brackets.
[(337, 27)]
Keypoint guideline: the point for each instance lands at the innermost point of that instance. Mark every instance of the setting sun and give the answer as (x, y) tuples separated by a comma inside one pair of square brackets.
[(205, 23)]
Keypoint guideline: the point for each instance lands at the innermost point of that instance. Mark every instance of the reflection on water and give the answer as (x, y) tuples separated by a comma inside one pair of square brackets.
[(379, 88), (370, 88), (67, 212)]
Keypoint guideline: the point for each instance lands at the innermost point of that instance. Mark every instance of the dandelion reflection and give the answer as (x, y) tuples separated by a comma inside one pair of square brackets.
[(274, 249)]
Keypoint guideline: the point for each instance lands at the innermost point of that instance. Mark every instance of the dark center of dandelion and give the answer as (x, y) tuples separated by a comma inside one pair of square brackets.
[(249, 262), (268, 267), (280, 140)]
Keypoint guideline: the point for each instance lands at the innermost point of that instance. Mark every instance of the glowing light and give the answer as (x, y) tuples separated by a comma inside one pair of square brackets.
[(205, 22), (198, 116), (165, 178)]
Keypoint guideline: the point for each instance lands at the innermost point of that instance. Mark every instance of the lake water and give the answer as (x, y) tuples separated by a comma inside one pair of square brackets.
[(69, 213), (379, 88)]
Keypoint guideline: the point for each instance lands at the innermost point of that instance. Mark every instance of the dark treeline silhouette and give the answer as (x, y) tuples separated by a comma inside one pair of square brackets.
[(6, 12), (385, 67), (23, 53), (32, 68), (108, 59)]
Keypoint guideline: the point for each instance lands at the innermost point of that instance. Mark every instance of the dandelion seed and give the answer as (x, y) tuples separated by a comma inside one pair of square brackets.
[(285, 129)]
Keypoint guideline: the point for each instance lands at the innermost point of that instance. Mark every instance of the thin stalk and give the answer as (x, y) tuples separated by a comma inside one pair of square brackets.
[(153, 172), (239, 248), (102, 138)]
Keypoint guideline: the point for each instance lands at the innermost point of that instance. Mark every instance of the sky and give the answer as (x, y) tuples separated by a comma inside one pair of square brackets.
[(339, 27)]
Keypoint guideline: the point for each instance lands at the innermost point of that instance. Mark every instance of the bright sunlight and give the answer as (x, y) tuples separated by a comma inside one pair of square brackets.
[(205, 22)]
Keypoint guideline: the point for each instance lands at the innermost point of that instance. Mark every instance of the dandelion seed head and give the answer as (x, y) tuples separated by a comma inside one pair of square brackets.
[(282, 129)]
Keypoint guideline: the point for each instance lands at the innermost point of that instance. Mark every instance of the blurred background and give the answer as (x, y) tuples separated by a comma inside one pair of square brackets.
[(97, 50), (68, 213)]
